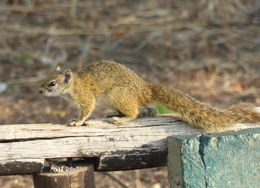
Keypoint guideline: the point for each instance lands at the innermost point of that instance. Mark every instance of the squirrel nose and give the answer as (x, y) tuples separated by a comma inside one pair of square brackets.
[(40, 91)]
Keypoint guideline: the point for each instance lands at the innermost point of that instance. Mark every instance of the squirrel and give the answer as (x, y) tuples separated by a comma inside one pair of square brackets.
[(122, 88)]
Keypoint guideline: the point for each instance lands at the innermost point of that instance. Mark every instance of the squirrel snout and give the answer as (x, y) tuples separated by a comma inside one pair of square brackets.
[(40, 91)]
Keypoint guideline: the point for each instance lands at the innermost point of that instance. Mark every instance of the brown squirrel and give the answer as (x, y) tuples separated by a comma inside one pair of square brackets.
[(120, 87)]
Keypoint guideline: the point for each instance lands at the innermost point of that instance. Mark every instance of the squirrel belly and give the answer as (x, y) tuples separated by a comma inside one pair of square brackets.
[(128, 93)]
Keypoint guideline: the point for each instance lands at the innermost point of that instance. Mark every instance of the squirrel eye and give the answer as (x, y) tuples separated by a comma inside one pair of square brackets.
[(52, 83)]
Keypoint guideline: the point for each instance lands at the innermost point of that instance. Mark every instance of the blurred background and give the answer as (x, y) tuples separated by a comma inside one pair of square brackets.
[(207, 48)]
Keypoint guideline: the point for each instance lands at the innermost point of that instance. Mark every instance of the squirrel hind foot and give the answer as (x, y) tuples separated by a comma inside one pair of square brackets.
[(114, 120), (119, 120)]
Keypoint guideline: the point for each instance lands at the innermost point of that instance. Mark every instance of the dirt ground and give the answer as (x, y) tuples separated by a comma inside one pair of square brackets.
[(208, 49)]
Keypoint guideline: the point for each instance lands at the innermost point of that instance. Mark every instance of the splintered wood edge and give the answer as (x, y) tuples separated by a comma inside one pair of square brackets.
[(66, 170)]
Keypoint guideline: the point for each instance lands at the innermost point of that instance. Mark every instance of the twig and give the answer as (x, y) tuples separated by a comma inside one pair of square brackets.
[(49, 31), (115, 179), (59, 59), (47, 8), (85, 50), (48, 45), (73, 8), (24, 80), (21, 30), (138, 183), (249, 91), (150, 38)]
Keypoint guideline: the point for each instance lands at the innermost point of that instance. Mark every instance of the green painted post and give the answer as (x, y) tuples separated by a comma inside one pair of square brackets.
[(217, 160)]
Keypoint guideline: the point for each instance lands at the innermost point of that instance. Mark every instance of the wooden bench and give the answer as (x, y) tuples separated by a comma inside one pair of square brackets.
[(62, 156)]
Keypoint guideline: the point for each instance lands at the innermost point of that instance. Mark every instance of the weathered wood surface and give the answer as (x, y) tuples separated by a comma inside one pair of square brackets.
[(138, 144)]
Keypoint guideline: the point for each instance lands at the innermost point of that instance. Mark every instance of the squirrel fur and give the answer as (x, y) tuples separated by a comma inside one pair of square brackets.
[(120, 87)]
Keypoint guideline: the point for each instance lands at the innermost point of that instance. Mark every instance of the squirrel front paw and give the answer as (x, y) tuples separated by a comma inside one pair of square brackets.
[(75, 122)]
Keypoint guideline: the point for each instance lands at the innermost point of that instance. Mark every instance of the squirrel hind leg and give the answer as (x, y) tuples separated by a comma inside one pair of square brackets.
[(118, 118), (147, 112), (129, 112)]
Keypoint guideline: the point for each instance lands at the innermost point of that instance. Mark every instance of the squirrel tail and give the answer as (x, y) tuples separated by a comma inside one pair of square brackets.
[(202, 115), (244, 112)]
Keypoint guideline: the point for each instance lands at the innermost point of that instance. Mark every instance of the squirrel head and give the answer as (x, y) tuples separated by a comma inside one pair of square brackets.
[(57, 84)]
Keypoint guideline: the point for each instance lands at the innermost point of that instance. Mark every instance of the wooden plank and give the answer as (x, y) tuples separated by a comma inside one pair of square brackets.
[(95, 128), (138, 144), (21, 166), (100, 127)]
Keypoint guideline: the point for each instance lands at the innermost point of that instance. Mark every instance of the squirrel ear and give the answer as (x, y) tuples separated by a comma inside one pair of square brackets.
[(58, 69), (67, 75)]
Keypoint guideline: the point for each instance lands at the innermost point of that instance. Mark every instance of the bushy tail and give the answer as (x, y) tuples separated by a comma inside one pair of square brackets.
[(244, 112), (201, 115)]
